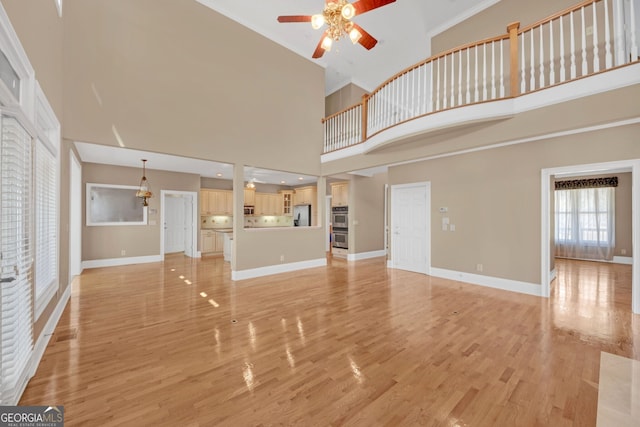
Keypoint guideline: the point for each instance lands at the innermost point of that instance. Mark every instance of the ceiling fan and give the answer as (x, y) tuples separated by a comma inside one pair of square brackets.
[(337, 14)]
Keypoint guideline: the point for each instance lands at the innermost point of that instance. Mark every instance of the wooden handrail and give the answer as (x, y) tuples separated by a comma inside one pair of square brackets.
[(326, 119)]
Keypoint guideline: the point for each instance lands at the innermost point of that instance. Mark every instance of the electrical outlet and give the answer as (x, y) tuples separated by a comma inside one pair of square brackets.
[(623, 251), (479, 267), (123, 252), (281, 258)]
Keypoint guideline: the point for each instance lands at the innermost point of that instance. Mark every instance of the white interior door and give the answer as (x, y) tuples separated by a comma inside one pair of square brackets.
[(174, 224), (410, 227)]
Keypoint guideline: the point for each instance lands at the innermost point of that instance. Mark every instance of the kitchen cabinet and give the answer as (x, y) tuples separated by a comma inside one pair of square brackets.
[(216, 202), (340, 194), (267, 204), (249, 196), (207, 241), (211, 241), (305, 196), (286, 202)]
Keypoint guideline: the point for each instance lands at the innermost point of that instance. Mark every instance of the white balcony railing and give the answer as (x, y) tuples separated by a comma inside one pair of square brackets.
[(588, 38)]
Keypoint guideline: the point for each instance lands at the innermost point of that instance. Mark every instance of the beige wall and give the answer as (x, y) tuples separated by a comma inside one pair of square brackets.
[(493, 21), (622, 211), (105, 242), (343, 98), (366, 206), (493, 198), (174, 76)]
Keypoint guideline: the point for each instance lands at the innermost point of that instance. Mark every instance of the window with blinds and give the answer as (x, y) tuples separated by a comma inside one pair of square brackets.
[(15, 259), (45, 211)]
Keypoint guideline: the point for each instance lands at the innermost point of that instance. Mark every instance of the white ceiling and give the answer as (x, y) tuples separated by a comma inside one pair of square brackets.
[(403, 29), (117, 156)]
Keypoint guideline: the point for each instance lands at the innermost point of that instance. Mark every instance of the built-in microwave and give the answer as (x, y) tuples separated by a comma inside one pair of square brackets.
[(340, 217)]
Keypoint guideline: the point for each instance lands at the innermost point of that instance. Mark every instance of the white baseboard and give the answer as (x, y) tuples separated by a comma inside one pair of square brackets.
[(488, 281), (112, 262), (366, 255), (553, 274), (277, 269), (198, 254), (623, 260), (43, 340)]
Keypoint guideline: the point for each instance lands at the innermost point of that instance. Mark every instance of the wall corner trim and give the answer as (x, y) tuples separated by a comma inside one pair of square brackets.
[(113, 262), (488, 281), (366, 255), (276, 269)]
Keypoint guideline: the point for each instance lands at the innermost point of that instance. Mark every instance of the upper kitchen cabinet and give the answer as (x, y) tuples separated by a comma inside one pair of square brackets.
[(340, 194), (249, 196), (267, 204), (305, 195), (216, 202), (286, 202)]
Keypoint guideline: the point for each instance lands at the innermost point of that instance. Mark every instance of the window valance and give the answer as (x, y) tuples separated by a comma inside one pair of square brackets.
[(574, 184)]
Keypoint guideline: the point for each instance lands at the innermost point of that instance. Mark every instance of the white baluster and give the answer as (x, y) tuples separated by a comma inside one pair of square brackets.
[(633, 32), (453, 81), (584, 44), (414, 90), (444, 86), (532, 78), (460, 77), (501, 71), (552, 65), (572, 66), (542, 79), (608, 57), (484, 72), (468, 93), (476, 94), (493, 70), (596, 50), (523, 66), (438, 85), (618, 31), (430, 105), (562, 68)]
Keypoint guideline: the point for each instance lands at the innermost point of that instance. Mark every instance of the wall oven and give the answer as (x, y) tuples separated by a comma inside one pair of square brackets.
[(340, 217), (340, 238)]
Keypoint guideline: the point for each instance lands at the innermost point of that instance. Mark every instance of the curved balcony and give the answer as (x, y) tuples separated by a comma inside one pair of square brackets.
[(573, 51)]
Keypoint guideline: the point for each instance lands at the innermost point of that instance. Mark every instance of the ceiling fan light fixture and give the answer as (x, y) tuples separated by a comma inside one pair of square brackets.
[(326, 43), (317, 21), (348, 11), (355, 35)]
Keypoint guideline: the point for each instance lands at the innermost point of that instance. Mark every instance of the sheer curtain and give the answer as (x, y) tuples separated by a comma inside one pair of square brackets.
[(585, 223)]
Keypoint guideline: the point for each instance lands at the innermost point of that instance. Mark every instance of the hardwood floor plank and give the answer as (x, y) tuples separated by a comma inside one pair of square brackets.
[(347, 344)]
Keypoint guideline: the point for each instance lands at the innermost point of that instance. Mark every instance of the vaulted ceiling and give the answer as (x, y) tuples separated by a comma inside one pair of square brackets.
[(403, 29)]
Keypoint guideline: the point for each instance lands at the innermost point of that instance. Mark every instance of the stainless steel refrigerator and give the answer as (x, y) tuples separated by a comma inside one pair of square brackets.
[(302, 215)]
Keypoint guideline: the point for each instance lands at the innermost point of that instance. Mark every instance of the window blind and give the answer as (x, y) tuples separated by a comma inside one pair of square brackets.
[(45, 222), (15, 259)]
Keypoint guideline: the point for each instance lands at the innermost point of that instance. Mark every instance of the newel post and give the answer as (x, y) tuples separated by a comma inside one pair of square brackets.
[(365, 102), (512, 29)]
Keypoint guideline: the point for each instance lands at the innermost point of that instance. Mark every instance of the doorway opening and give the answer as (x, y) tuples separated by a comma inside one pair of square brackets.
[(547, 176), (178, 222)]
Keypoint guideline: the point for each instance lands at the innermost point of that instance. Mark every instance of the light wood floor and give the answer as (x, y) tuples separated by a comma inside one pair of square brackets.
[(349, 344)]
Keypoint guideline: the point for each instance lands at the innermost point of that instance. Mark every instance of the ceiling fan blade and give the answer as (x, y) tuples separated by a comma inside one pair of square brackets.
[(363, 6), (295, 18), (367, 40), (319, 50)]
